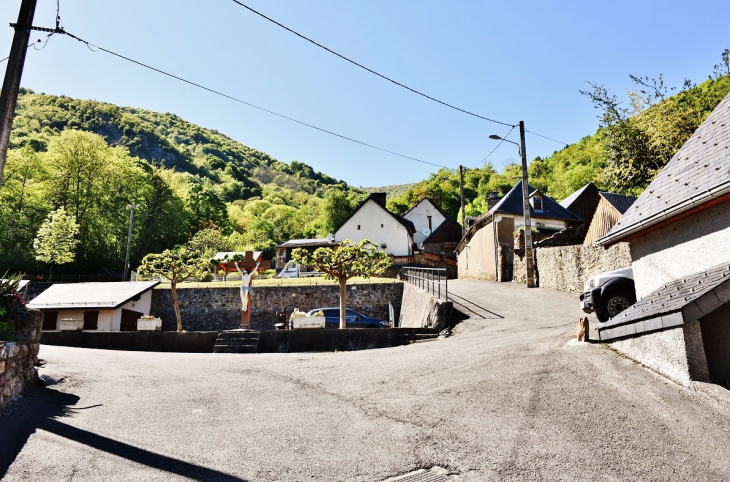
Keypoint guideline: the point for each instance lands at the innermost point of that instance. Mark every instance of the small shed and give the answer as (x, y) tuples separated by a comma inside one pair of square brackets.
[(111, 306), (226, 267), (609, 210)]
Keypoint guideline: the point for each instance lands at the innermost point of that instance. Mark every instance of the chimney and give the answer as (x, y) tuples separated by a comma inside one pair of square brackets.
[(379, 197)]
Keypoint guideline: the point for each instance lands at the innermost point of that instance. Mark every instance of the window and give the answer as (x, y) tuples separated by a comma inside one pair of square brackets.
[(537, 203), (381, 225), (429, 222), (358, 227), (91, 319)]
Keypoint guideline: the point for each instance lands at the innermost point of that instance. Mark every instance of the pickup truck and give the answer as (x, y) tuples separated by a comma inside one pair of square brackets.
[(608, 294)]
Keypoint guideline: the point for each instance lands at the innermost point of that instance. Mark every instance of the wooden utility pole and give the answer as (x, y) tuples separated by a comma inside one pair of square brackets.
[(529, 260), (461, 194), (11, 83)]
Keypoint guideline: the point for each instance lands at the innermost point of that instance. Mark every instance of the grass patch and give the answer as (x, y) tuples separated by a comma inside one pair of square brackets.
[(258, 282)]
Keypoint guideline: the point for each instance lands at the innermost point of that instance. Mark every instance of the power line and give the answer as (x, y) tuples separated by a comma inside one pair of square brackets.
[(546, 137), (29, 46), (500, 143), (368, 69), (92, 47)]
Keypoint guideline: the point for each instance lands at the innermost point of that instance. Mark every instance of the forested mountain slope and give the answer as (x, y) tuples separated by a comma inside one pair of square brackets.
[(94, 159)]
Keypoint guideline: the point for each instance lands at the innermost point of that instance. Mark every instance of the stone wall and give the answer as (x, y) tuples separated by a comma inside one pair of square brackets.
[(214, 309), (18, 359), (566, 268), (422, 310)]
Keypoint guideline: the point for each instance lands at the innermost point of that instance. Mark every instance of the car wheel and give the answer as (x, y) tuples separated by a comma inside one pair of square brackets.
[(615, 303)]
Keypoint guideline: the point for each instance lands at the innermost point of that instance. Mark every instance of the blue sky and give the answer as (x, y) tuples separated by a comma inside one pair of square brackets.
[(509, 61)]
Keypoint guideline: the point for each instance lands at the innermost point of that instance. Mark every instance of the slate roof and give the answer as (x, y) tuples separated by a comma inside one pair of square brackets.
[(681, 301), (81, 296), (512, 204), (582, 200), (449, 222), (619, 201), (698, 173), (406, 223)]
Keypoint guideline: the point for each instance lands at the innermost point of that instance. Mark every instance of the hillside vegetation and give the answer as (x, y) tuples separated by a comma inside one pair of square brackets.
[(94, 159), (632, 144)]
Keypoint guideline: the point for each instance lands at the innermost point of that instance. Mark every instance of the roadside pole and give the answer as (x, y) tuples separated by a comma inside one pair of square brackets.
[(529, 261), (11, 83), (461, 194)]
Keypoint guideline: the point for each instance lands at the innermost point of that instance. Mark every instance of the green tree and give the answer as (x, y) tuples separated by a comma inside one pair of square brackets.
[(56, 239), (344, 262), (175, 265)]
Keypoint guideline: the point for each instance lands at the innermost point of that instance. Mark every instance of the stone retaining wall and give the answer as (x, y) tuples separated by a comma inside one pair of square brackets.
[(566, 268), (18, 359), (422, 310), (215, 309)]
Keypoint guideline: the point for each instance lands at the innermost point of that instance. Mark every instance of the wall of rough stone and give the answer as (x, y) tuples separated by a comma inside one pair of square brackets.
[(214, 309), (422, 310), (18, 359), (566, 268)]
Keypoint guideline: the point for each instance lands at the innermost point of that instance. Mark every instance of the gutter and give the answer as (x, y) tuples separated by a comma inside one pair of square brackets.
[(693, 202)]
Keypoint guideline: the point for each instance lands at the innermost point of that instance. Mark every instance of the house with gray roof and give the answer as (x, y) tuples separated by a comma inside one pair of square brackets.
[(112, 306), (678, 231), (486, 250)]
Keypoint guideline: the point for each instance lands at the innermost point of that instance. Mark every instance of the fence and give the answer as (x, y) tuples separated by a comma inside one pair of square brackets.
[(431, 280)]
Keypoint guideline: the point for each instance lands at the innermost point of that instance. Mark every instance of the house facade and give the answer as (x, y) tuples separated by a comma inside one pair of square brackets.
[(487, 250), (112, 306), (426, 217), (371, 220), (678, 232)]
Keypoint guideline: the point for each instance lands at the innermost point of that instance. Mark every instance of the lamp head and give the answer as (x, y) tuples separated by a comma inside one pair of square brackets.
[(495, 137)]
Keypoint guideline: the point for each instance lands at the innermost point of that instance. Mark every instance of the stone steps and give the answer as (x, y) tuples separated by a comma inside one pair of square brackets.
[(243, 341)]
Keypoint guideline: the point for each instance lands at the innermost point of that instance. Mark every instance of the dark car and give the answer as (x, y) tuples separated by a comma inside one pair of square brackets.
[(354, 319)]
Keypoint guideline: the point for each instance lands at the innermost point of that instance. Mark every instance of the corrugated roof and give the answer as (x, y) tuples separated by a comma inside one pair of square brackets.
[(698, 173), (223, 255), (681, 301), (619, 201), (293, 243), (90, 295)]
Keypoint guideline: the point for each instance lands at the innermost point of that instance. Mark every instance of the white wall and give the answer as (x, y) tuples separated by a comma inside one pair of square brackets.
[(142, 306), (538, 222), (104, 322), (377, 225), (419, 217), (695, 243)]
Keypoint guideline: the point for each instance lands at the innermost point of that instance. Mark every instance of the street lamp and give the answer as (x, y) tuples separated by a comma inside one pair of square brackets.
[(529, 261), (131, 208)]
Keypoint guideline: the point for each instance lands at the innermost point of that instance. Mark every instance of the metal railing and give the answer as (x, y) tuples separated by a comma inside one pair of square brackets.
[(431, 280)]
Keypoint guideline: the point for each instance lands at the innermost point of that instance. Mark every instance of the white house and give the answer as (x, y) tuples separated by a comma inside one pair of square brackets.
[(371, 220), (678, 232), (424, 216), (112, 306)]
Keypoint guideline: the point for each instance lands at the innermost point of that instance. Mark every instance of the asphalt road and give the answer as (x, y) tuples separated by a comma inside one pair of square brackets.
[(505, 398)]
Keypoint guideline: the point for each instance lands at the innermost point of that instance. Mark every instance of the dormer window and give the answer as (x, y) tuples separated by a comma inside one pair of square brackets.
[(536, 202)]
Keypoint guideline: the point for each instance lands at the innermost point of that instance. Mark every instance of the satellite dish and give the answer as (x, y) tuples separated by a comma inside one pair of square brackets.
[(331, 237), (426, 232)]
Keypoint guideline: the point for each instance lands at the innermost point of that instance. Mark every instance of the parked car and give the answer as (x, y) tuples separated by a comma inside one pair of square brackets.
[(608, 294), (354, 319)]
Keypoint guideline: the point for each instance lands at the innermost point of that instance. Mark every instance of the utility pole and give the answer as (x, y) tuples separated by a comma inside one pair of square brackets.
[(131, 207), (461, 194), (11, 83), (529, 260)]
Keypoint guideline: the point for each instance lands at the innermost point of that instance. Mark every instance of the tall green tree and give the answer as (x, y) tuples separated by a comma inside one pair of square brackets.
[(175, 265), (344, 262), (56, 239)]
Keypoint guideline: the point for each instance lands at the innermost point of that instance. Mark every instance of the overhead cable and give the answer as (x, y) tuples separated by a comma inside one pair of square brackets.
[(95, 48), (500, 143), (368, 69)]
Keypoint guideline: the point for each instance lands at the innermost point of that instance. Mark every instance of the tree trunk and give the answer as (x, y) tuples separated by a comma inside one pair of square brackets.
[(343, 303), (173, 285)]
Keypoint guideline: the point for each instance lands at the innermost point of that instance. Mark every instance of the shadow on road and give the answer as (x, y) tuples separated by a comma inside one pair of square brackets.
[(41, 409), (466, 309)]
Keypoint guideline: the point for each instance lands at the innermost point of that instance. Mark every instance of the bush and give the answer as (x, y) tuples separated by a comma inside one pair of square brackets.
[(12, 308)]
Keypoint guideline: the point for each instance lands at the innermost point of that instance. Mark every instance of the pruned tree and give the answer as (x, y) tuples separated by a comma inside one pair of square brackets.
[(343, 262), (56, 239), (175, 265)]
